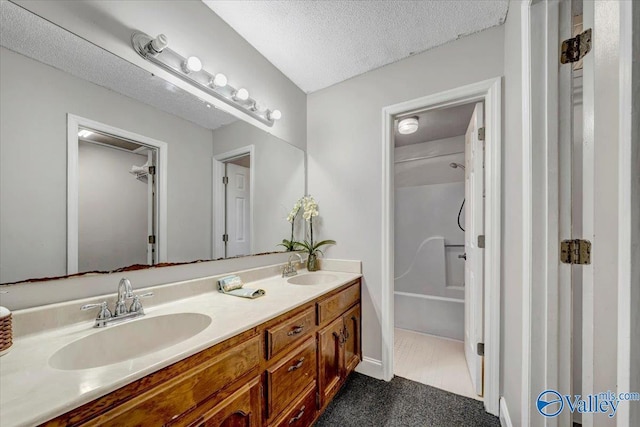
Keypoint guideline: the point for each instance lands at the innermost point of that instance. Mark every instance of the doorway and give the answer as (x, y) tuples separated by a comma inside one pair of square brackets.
[(438, 266), (486, 93), (116, 203), (233, 203)]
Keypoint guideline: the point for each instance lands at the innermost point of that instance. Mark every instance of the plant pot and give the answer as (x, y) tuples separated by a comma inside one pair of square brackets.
[(312, 262)]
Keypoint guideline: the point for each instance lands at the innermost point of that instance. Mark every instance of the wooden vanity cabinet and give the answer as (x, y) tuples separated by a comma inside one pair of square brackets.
[(281, 373)]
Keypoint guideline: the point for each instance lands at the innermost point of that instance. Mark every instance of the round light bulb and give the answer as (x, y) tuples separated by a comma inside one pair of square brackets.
[(219, 80), (408, 125), (192, 63), (275, 115), (241, 94)]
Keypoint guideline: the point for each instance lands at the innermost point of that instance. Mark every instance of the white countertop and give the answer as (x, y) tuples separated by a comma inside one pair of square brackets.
[(32, 392)]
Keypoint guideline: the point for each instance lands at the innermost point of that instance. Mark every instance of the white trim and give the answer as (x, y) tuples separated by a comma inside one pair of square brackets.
[(488, 91), (525, 50), (431, 297), (217, 217), (625, 211), (73, 123), (505, 418), (371, 368)]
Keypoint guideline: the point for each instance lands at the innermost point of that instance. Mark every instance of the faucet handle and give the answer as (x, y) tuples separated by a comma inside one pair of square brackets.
[(104, 312), (136, 306)]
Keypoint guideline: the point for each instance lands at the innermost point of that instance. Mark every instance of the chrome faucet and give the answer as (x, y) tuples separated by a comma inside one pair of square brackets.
[(121, 312), (290, 269)]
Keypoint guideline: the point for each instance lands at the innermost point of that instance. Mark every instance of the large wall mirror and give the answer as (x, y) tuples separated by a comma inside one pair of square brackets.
[(104, 165)]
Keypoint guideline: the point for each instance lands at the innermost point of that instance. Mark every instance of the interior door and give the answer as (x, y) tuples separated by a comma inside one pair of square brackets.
[(474, 228), (237, 201)]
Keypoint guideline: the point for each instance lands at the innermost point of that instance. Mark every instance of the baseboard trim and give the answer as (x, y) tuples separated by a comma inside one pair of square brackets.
[(505, 419), (371, 368)]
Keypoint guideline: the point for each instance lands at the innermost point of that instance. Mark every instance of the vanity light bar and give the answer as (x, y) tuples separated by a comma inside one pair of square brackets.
[(190, 70)]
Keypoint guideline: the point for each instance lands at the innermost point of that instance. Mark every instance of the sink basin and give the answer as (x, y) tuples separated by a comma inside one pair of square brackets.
[(313, 279), (129, 340)]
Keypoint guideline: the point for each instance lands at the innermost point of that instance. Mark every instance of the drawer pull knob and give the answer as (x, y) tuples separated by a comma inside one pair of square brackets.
[(297, 365), (297, 417), (295, 331)]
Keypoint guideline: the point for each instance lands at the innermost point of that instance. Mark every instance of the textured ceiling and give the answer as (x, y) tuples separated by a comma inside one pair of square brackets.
[(32, 36), (438, 124), (319, 43)]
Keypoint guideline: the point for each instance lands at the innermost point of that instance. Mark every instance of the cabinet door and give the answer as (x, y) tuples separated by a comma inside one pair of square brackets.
[(330, 360), (241, 409), (353, 336)]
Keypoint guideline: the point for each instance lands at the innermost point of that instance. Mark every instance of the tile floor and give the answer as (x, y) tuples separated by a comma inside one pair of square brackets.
[(438, 362)]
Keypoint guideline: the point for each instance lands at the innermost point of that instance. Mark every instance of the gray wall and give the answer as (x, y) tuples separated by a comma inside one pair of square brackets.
[(279, 180), (112, 209), (344, 155), (33, 165)]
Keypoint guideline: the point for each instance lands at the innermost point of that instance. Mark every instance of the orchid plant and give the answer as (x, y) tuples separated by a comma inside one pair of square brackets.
[(290, 245), (310, 210)]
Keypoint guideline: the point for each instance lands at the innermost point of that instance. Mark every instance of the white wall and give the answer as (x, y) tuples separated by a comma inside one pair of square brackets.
[(33, 165), (112, 209), (344, 133), (279, 180), (511, 289), (192, 29)]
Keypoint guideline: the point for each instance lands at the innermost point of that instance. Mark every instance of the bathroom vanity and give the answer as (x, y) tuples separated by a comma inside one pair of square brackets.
[(274, 361)]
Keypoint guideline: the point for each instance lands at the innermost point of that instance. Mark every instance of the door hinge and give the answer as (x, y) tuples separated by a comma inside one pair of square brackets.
[(152, 170), (575, 251), (576, 48), (152, 240), (481, 132), (225, 237), (481, 241), (225, 180), (480, 349)]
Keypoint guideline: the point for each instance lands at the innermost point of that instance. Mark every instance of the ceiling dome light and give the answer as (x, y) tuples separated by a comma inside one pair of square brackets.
[(241, 94), (275, 115), (408, 125), (192, 63), (219, 80)]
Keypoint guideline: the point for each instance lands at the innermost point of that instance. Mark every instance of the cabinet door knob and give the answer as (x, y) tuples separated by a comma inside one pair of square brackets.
[(296, 330), (297, 417), (297, 365)]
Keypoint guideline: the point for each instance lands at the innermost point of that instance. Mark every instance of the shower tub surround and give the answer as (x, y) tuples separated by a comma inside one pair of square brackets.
[(33, 391)]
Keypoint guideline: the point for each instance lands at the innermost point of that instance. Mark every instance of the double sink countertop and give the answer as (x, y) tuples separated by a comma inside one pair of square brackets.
[(32, 391)]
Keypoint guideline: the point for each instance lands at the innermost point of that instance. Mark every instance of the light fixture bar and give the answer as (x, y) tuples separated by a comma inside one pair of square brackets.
[(176, 64)]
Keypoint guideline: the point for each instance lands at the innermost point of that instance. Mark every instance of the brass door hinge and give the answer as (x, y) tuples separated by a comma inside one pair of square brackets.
[(152, 240), (480, 349), (576, 48), (481, 132), (481, 241), (575, 251)]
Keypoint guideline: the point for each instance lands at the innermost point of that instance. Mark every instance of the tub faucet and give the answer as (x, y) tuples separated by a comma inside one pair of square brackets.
[(290, 269)]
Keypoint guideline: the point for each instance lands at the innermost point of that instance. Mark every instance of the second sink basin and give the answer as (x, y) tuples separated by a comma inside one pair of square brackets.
[(313, 279), (129, 340)]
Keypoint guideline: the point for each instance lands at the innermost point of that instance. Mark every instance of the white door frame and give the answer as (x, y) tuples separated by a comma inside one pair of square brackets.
[(73, 123), (489, 91), (540, 368), (218, 197)]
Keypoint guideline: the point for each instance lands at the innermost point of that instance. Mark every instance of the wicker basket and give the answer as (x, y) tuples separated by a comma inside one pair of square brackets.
[(6, 335)]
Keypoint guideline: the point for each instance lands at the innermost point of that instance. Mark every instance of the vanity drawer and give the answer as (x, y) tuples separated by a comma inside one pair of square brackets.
[(334, 306), (302, 412), (185, 391), (289, 378), (290, 331)]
